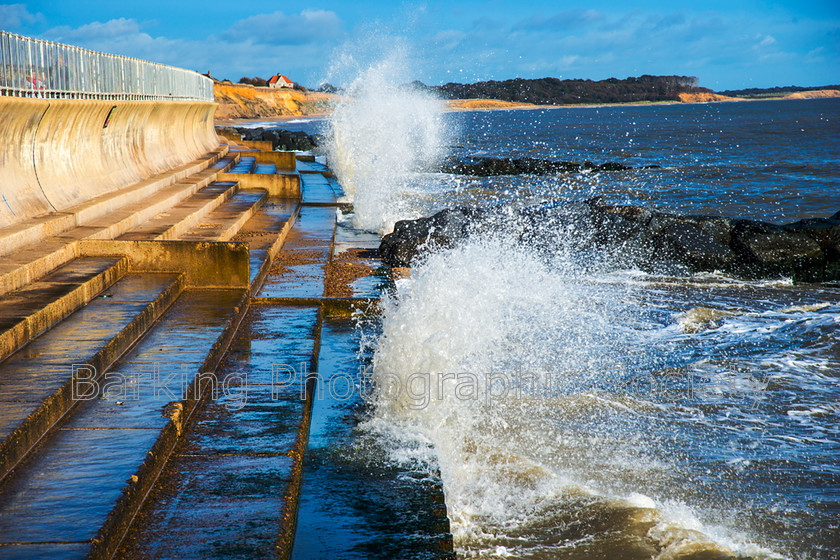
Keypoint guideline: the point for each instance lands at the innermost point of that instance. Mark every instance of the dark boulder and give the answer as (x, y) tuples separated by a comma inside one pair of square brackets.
[(696, 242), (767, 249), (490, 166), (410, 238), (808, 250), (280, 139)]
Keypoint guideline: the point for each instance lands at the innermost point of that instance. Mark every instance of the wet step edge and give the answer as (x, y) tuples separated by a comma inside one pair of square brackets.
[(247, 456), (175, 221), (35, 425), (125, 471), (65, 290), (227, 219)]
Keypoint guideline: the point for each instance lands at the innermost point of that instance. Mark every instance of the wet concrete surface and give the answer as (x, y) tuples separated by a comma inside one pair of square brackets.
[(355, 503), (45, 364), (223, 493), (262, 230), (152, 374), (265, 169), (300, 267), (312, 167), (245, 165), (166, 221), (223, 507), (316, 188), (221, 223), (16, 306), (71, 484), (66, 489)]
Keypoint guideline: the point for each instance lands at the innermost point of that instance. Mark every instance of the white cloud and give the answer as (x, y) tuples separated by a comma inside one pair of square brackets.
[(567, 61), (12, 16), (449, 38), (96, 31), (309, 26), (566, 20), (766, 41), (224, 57)]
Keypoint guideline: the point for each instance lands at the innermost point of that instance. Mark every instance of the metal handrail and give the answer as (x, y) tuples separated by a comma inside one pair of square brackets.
[(44, 69)]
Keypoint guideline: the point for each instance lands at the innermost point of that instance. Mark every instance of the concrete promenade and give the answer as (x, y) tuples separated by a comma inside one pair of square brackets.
[(163, 294), (160, 336)]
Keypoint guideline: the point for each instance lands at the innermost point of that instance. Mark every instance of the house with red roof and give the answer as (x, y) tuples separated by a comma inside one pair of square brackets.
[(280, 81)]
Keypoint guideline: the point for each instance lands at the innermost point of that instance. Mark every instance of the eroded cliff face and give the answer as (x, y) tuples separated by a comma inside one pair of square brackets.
[(241, 101), (704, 97), (708, 97), (814, 94)]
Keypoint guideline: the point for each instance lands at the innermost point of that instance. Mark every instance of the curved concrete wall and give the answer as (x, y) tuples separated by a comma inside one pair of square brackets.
[(56, 153)]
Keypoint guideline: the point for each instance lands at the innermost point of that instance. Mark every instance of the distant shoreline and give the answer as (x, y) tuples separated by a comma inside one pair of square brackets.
[(465, 105)]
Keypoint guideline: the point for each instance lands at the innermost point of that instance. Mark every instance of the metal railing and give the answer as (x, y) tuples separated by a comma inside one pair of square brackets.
[(36, 68)]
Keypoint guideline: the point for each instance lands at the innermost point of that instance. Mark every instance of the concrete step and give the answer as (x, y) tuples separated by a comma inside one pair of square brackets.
[(309, 166), (265, 169), (77, 493), (246, 164), (226, 220), (231, 487), (17, 236), (33, 262), (37, 382), (265, 234), (182, 217), (26, 313), (273, 172), (30, 262), (317, 190), (125, 218), (300, 267)]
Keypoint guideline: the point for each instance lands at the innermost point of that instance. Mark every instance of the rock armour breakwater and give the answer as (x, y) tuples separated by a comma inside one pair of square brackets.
[(632, 236), (490, 166)]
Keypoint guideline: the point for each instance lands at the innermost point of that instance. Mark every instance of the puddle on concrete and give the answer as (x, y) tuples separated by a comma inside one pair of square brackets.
[(316, 189), (354, 504)]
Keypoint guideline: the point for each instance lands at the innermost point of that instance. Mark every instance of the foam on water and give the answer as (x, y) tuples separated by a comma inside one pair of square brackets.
[(524, 458), (531, 385)]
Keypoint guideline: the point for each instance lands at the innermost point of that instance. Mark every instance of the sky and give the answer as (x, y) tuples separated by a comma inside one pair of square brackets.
[(730, 44)]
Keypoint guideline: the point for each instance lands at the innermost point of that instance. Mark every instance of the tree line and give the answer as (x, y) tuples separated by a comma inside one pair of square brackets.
[(554, 91)]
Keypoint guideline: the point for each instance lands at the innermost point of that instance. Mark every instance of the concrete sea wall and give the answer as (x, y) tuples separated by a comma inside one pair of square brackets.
[(60, 153)]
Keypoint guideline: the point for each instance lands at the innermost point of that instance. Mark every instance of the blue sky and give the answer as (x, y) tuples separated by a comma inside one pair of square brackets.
[(726, 44)]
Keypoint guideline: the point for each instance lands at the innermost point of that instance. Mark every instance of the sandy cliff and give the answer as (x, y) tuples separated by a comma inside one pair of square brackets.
[(705, 97), (479, 104), (241, 101), (814, 94)]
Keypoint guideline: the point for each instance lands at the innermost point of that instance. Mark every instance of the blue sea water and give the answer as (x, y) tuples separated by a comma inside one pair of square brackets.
[(687, 415), (771, 160)]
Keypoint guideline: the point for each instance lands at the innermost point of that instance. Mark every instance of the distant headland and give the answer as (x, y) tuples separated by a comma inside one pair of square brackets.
[(255, 98)]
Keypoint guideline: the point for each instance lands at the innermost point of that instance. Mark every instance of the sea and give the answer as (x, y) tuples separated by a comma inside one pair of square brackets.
[(576, 411)]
